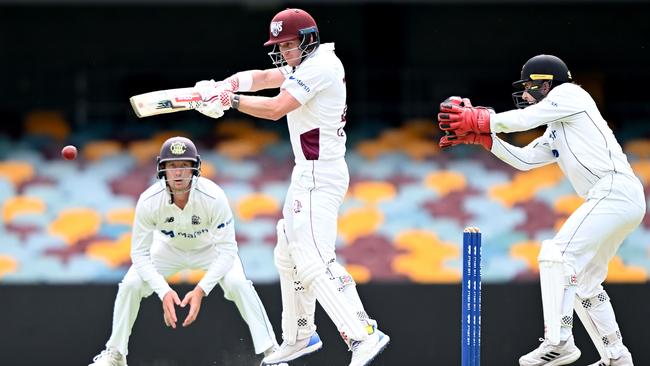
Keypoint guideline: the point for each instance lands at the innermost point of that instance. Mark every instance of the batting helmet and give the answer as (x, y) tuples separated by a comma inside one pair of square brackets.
[(292, 24), (178, 148), (537, 70)]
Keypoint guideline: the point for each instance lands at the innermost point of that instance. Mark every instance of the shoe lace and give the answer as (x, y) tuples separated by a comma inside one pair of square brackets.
[(108, 353)]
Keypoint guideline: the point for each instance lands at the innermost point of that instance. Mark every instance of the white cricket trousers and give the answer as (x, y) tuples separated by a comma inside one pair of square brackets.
[(311, 213), (169, 260), (589, 239)]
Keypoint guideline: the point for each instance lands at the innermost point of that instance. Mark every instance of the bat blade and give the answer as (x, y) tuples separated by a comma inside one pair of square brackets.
[(165, 101)]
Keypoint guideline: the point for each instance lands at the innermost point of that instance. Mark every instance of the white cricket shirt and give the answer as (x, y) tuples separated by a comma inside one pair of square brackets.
[(205, 221), (316, 128), (577, 138)]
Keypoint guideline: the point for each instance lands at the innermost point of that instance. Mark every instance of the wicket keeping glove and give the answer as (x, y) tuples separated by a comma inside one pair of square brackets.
[(458, 117), (484, 139)]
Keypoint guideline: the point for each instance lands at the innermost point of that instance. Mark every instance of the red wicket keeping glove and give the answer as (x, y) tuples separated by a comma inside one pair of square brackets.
[(458, 117), (484, 139)]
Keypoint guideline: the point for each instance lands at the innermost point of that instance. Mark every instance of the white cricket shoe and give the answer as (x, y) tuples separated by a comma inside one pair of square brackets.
[(551, 355), (287, 352), (624, 360), (365, 351), (109, 357)]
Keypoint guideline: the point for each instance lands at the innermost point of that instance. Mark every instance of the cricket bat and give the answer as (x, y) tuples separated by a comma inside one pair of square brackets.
[(165, 101)]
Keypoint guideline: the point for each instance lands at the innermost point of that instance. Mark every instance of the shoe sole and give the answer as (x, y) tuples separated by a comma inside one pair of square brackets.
[(570, 358), (303, 352), (381, 346)]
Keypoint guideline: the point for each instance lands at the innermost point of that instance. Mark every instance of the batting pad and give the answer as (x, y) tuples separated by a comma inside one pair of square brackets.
[(312, 273)]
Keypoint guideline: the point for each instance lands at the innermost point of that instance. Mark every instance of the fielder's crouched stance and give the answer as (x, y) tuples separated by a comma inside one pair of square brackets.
[(572, 265), (183, 221)]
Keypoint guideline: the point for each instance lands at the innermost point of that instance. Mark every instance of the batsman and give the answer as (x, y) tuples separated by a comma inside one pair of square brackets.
[(311, 92), (574, 263)]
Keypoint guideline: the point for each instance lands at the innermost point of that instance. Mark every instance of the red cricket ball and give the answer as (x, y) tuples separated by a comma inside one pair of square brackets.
[(69, 152)]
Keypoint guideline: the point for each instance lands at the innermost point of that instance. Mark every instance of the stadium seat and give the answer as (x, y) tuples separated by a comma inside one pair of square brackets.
[(95, 150), (373, 192), (186, 276), (8, 264), (642, 170), (238, 149), (427, 258), (113, 253), (445, 181), (256, 205), (17, 172), (258, 263), (144, 151), (527, 252), (75, 224), (525, 184), (120, 216), (19, 205), (620, 273), (639, 148), (49, 123), (359, 222)]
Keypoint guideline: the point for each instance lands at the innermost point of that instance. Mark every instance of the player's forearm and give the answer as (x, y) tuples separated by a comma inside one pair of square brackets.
[(526, 158), (146, 270), (221, 265), (261, 107)]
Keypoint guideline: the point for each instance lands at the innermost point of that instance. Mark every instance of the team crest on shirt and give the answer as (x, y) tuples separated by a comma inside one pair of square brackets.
[(178, 148), (196, 220), (276, 28), (297, 206)]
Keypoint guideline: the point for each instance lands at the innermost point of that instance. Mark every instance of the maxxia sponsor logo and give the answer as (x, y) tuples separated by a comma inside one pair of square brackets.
[(193, 235), (301, 83)]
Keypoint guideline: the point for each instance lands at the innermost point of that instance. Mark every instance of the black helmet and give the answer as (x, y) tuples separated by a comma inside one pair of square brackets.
[(178, 148), (537, 70)]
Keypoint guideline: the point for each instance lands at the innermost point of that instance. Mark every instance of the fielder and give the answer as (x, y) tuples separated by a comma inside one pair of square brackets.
[(312, 95), (573, 264), (183, 221)]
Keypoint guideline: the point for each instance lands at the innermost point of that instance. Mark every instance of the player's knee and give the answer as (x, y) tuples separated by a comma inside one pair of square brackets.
[(308, 272), (237, 286), (551, 255), (131, 287), (550, 252)]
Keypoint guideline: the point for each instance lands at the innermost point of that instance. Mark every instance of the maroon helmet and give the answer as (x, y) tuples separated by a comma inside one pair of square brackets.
[(292, 24)]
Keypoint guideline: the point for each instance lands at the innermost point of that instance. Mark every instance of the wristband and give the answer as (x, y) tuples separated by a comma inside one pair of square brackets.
[(245, 80), (234, 101)]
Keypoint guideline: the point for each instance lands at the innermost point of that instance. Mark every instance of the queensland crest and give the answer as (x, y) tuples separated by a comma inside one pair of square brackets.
[(178, 148), (276, 28)]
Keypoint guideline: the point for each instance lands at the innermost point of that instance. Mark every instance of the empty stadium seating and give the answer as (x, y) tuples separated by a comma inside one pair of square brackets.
[(402, 219)]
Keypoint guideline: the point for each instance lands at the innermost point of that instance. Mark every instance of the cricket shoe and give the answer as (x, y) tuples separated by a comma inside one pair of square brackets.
[(624, 360), (365, 351), (551, 355), (109, 357), (289, 352)]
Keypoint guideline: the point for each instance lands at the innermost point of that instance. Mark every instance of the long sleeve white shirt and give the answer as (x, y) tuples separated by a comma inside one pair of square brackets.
[(576, 137), (206, 220)]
